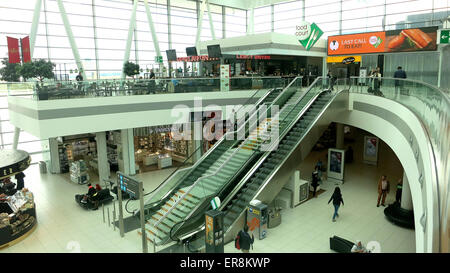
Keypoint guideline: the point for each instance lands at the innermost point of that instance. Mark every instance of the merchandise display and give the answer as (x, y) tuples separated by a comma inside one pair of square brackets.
[(79, 172), (17, 207)]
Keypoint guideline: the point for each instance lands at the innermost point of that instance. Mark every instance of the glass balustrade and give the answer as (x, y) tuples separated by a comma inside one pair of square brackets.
[(107, 88)]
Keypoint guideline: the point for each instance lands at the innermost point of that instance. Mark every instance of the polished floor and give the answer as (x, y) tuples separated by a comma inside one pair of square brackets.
[(65, 227)]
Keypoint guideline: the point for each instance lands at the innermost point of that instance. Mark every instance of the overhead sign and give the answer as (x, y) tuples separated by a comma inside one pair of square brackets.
[(158, 59), (402, 40), (308, 34), (344, 59), (444, 36)]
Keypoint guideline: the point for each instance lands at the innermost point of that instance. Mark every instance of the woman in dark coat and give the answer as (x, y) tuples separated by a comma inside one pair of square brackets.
[(20, 183), (337, 200)]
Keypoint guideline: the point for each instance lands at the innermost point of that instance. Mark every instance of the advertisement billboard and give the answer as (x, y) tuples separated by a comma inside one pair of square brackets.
[(401, 40), (336, 165)]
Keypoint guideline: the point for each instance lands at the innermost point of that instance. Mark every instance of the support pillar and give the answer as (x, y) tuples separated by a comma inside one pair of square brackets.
[(406, 201), (127, 146), (34, 25), (130, 36), (16, 138), (340, 136), (211, 25), (55, 166), (102, 157), (197, 132), (73, 44)]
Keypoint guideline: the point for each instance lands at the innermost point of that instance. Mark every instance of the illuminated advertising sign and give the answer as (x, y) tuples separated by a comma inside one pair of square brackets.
[(402, 40)]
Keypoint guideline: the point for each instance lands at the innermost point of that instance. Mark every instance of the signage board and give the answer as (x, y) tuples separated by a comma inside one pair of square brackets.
[(371, 150), (128, 185), (336, 165), (444, 36), (401, 40), (344, 59), (308, 34)]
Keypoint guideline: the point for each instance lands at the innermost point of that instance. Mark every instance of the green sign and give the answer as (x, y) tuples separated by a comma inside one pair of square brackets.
[(158, 59), (313, 37), (444, 38)]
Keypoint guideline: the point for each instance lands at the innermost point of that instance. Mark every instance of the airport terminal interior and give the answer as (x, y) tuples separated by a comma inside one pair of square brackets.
[(210, 126)]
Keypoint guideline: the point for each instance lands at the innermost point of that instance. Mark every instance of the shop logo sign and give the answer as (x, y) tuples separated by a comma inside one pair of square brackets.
[(348, 60), (308, 34), (375, 41), (334, 45)]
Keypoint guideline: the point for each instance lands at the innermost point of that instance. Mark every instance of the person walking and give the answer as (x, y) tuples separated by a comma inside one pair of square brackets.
[(399, 74), (377, 81), (245, 241), (315, 180), (398, 193), (337, 200), (383, 190)]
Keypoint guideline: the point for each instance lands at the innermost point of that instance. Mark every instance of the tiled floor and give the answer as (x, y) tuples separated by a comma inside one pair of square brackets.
[(63, 226)]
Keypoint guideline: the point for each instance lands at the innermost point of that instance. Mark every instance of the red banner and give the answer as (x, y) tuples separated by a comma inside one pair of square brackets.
[(13, 50), (26, 54)]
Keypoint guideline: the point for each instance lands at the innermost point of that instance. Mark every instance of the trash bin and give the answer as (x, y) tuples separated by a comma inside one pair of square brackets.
[(42, 167), (257, 219), (274, 217)]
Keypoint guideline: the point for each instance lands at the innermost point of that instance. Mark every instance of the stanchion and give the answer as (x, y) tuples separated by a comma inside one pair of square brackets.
[(103, 211), (109, 221), (114, 220)]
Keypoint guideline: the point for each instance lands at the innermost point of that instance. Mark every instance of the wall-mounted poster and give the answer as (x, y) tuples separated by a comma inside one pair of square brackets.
[(371, 150), (336, 165), (400, 40)]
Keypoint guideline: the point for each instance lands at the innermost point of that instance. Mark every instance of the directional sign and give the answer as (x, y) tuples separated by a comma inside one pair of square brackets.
[(158, 59), (128, 185), (444, 36)]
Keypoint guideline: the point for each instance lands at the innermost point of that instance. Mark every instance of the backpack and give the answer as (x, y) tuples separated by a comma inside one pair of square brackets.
[(236, 241)]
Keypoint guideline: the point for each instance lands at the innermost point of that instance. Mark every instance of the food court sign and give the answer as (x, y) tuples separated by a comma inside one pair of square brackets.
[(308, 34)]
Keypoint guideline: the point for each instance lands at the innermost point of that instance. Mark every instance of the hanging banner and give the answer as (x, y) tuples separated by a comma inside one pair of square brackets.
[(13, 50), (26, 54), (400, 40)]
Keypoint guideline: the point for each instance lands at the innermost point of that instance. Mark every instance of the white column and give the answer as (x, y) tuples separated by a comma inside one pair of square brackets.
[(199, 26), (211, 25), (340, 136), (55, 166), (102, 157), (406, 202), (16, 138), (34, 25), (250, 22), (130, 36), (73, 45), (127, 144), (197, 138)]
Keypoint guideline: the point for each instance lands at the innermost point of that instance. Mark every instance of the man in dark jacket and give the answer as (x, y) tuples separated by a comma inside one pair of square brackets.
[(401, 75), (245, 241)]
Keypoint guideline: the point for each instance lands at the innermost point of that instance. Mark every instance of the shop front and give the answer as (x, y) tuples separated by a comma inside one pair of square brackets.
[(344, 66)]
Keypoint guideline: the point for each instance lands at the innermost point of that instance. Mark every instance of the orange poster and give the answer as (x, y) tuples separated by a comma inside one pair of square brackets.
[(372, 42)]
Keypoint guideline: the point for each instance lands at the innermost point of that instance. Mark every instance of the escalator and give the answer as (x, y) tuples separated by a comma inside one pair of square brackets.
[(192, 187), (273, 160), (229, 163)]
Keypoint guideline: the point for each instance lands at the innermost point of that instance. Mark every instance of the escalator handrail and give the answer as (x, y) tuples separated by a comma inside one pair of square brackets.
[(249, 159), (221, 140), (203, 156)]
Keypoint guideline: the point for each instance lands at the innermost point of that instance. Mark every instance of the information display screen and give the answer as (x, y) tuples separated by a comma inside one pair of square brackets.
[(171, 55), (191, 51), (214, 51)]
